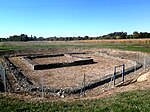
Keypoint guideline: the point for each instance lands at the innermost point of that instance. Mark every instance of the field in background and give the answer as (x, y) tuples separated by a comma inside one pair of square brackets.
[(123, 44)]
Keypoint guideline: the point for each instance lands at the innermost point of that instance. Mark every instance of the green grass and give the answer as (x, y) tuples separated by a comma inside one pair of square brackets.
[(7, 46), (129, 46), (135, 101)]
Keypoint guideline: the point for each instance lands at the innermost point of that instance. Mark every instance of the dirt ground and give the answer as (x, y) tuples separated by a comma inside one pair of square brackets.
[(70, 76)]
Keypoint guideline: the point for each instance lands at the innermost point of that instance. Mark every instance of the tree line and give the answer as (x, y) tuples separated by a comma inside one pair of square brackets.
[(115, 35)]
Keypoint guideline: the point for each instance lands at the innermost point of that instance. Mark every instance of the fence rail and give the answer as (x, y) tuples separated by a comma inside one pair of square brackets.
[(115, 72)]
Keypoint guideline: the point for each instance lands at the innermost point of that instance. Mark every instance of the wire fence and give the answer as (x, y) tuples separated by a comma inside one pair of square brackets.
[(146, 62), (142, 59)]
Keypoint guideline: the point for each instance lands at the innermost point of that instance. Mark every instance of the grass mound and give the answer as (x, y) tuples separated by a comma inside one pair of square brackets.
[(134, 101)]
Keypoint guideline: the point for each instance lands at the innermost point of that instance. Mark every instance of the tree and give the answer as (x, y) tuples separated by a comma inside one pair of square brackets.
[(3, 39), (129, 36), (144, 35), (118, 37), (24, 37), (86, 37), (14, 38), (34, 38), (136, 35), (40, 39), (78, 38), (115, 35)]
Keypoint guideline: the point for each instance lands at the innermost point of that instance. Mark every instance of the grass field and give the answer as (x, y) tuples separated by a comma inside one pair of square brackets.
[(133, 45), (134, 101)]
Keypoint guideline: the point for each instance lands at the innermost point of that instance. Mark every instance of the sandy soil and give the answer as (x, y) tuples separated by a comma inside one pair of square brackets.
[(71, 76)]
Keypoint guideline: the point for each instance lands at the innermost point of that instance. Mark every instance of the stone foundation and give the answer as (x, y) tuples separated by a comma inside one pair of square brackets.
[(35, 66)]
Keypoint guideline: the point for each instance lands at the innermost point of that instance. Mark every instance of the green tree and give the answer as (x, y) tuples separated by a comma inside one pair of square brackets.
[(136, 35), (129, 36), (86, 37), (41, 39), (118, 37)]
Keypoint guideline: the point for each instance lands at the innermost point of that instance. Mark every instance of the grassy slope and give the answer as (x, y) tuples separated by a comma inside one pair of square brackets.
[(135, 101)]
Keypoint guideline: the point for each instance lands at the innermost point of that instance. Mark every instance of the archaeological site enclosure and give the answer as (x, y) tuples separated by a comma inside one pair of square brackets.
[(70, 71)]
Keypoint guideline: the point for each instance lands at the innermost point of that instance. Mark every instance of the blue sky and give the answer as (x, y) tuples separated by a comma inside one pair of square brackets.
[(73, 17)]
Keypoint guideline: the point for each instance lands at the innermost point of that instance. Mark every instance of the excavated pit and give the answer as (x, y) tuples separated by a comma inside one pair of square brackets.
[(66, 71), (55, 72)]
